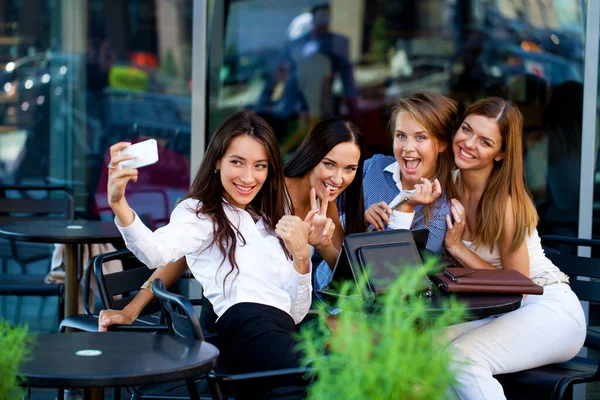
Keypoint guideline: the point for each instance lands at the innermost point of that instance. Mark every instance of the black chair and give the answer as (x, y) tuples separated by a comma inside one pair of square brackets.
[(18, 202), (182, 321), (116, 292), (556, 381)]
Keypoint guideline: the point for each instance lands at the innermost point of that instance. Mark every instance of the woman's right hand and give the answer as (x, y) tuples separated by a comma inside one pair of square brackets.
[(113, 317), (378, 215), (117, 177)]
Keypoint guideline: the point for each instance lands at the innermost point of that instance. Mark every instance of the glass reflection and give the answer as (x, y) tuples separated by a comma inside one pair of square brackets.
[(300, 61), (79, 76)]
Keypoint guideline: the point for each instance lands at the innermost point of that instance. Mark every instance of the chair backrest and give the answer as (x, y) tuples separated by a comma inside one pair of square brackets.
[(179, 312), (86, 285), (35, 201), (183, 322), (119, 288), (575, 266)]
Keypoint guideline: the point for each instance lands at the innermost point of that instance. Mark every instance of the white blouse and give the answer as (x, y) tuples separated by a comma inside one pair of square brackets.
[(266, 276)]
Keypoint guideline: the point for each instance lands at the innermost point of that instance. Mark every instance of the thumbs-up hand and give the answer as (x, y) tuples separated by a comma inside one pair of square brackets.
[(294, 233)]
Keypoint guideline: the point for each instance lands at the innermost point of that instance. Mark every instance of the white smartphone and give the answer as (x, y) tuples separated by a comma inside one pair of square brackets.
[(146, 153)]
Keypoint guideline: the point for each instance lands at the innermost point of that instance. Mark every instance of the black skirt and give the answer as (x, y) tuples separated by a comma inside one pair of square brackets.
[(256, 337)]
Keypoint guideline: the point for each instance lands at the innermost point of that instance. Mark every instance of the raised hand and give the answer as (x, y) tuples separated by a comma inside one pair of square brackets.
[(426, 192), (321, 228), (378, 215), (117, 177), (294, 233), (454, 233)]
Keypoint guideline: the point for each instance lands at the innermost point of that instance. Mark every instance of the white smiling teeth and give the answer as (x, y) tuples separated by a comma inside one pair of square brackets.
[(243, 189), (465, 154), (329, 187)]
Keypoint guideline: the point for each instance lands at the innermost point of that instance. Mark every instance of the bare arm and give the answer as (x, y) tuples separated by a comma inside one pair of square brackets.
[(518, 260), (467, 258), (169, 274)]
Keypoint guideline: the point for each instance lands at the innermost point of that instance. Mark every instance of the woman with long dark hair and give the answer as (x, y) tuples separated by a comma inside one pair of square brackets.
[(328, 161), (324, 167), (252, 260)]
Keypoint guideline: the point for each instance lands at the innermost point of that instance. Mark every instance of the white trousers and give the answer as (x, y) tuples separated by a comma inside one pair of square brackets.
[(546, 329)]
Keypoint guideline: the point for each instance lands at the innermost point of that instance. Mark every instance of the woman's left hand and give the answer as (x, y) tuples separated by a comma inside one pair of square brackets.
[(426, 192), (294, 233), (455, 230)]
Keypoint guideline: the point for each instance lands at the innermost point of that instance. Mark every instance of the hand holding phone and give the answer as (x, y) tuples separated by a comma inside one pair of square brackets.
[(146, 153)]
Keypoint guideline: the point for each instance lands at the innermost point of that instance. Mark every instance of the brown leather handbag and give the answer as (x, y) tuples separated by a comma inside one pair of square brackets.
[(468, 280)]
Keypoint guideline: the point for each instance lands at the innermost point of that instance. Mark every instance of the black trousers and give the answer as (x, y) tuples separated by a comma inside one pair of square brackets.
[(256, 337)]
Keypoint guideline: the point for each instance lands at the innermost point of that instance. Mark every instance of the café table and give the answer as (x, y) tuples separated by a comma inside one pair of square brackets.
[(477, 305), (72, 234), (93, 360)]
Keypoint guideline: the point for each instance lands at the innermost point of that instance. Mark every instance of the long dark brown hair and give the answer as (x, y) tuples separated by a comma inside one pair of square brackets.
[(270, 203), (323, 137)]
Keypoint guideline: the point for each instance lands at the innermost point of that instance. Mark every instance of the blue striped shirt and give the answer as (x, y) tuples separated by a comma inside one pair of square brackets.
[(380, 183)]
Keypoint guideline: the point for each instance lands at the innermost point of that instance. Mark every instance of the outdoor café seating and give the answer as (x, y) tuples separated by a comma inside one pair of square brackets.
[(115, 290), (174, 314), (557, 380), (20, 202)]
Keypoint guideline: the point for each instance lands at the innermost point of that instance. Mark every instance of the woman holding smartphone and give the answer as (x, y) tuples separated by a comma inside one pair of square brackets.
[(413, 180), (252, 260), (405, 191), (324, 167)]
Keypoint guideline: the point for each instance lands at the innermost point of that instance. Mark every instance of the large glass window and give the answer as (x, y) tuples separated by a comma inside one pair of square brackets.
[(299, 61), (596, 211), (79, 75)]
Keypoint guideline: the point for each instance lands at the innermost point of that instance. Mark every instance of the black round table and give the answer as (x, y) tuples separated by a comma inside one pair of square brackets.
[(477, 305), (71, 234), (85, 360), (480, 305)]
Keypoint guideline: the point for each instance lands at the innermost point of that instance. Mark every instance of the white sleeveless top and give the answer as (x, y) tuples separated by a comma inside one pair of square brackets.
[(538, 262)]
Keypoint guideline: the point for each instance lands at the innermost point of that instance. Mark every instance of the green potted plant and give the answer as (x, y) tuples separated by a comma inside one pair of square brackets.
[(395, 352), (15, 347)]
